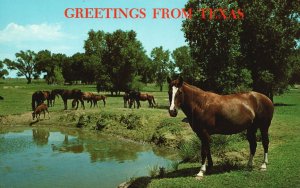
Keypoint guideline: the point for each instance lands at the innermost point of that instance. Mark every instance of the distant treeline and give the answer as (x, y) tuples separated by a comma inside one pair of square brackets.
[(260, 52)]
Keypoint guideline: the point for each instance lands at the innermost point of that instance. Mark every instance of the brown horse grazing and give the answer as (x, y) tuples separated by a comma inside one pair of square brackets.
[(38, 110), (69, 94), (98, 98), (149, 98), (209, 113), (86, 96)]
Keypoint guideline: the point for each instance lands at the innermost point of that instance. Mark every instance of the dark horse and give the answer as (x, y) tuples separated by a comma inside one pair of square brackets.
[(126, 99), (69, 94), (134, 96), (37, 98), (209, 113)]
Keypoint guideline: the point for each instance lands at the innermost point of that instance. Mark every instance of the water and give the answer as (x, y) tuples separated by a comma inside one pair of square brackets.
[(71, 158)]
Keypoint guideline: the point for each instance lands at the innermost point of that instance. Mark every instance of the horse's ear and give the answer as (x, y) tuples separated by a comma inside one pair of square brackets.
[(169, 80), (180, 79)]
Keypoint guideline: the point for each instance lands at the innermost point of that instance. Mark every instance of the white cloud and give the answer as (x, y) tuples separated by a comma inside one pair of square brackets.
[(15, 33)]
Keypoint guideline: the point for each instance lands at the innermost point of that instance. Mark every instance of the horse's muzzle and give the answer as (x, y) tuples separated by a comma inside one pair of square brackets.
[(173, 113)]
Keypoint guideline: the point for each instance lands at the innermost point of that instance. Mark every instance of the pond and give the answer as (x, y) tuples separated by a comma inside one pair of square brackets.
[(41, 157)]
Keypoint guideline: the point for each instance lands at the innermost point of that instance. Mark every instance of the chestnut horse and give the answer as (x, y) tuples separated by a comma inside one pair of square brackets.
[(86, 96), (209, 113), (69, 94), (149, 98), (97, 98)]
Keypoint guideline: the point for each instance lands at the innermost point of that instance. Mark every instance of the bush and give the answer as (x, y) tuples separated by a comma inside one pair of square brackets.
[(131, 121), (83, 121), (101, 124), (190, 151), (167, 133)]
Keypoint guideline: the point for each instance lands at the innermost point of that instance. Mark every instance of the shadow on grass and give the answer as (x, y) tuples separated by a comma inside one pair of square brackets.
[(142, 182), (283, 104)]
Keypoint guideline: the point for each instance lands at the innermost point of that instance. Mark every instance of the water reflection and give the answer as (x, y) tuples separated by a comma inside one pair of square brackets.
[(54, 158), (40, 136), (100, 147)]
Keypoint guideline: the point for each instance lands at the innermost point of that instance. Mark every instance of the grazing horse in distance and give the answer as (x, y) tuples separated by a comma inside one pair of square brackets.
[(49, 97), (98, 98), (209, 113), (149, 98), (134, 96), (37, 98), (69, 94), (38, 110), (86, 96)]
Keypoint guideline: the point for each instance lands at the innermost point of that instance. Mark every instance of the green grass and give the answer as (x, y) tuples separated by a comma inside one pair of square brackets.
[(229, 171)]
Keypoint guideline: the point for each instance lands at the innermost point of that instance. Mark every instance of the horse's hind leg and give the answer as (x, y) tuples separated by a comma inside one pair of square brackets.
[(265, 143), (251, 137)]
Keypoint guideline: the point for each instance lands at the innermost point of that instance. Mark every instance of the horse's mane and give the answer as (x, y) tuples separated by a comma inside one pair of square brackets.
[(193, 87)]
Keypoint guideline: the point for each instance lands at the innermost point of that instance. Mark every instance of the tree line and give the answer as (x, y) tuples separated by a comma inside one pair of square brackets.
[(257, 53)]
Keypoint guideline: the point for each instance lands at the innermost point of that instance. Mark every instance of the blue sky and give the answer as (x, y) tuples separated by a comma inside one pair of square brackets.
[(39, 25)]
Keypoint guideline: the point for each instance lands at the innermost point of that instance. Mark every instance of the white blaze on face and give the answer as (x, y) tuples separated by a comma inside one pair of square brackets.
[(174, 91)]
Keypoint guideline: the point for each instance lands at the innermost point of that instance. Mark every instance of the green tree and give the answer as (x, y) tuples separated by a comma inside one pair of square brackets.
[(73, 69), (95, 46), (186, 65), (117, 57), (49, 63), (268, 40), (295, 67), (215, 47), (3, 71), (24, 64), (162, 65)]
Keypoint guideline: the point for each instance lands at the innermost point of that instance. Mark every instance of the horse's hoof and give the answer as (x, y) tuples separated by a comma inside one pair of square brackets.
[(263, 167)]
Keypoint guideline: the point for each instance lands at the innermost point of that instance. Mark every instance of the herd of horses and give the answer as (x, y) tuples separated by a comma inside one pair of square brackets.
[(208, 113), (131, 98)]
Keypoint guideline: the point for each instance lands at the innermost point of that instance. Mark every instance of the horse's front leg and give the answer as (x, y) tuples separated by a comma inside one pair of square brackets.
[(205, 153)]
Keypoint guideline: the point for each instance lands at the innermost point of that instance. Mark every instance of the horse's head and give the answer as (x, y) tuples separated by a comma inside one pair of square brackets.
[(175, 95)]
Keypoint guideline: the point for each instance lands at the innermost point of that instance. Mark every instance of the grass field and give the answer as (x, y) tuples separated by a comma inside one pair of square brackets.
[(284, 163)]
